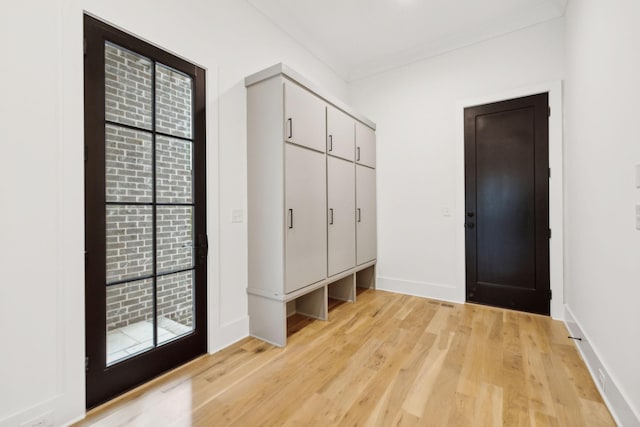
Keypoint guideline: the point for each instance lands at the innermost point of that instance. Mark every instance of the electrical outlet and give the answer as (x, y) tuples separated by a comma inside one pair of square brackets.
[(446, 211), (44, 420), (603, 379)]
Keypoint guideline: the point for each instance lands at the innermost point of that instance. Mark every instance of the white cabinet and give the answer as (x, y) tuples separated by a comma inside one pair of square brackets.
[(306, 229), (341, 226), (366, 246), (340, 134), (365, 145), (303, 242), (304, 122)]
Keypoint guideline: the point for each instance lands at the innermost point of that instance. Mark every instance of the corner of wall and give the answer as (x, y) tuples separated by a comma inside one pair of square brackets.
[(227, 334)]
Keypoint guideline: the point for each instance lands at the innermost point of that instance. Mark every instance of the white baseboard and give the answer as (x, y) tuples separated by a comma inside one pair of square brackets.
[(420, 289), (617, 403), (37, 411), (228, 334)]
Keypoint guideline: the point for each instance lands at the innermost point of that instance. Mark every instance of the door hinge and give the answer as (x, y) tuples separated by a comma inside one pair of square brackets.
[(549, 233), (84, 46), (86, 153), (86, 364), (549, 172), (550, 294), (549, 111)]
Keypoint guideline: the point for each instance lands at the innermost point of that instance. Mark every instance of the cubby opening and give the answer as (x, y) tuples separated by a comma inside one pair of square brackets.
[(306, 309), (366, 278)]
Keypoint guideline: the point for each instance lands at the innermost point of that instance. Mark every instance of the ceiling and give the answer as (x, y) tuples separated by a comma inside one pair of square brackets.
[(360, 38)]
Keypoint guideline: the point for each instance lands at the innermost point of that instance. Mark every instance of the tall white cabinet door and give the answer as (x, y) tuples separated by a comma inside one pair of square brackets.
[(340, 134), (304, 121), (305, 217), (366, 246), (341, 204), (365, 145)]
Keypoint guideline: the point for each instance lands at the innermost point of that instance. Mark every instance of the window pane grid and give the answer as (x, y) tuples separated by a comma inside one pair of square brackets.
[(133, 184), (141, 129), (148, 204), (150, 276), (128, 164), (173, 112), (128, 87), (129, 234)]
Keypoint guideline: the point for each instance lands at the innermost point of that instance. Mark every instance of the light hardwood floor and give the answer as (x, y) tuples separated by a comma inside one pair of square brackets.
[(386, 360)]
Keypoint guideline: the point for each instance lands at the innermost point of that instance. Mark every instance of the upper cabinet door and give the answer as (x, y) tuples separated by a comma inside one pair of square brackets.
[(304, 117), (340, 134), (365, 145), (305, 217)]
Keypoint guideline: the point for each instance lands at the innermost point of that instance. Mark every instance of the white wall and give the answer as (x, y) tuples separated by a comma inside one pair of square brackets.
[(602, 148), (41, 176), (419, 124)]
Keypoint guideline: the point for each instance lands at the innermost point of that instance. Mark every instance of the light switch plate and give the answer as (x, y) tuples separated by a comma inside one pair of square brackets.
[(446, 211), (236, 215)]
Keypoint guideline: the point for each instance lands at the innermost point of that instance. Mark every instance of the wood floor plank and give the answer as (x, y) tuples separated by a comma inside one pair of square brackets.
[(424, 383), (462, 410), (385, 360), (392, 393)]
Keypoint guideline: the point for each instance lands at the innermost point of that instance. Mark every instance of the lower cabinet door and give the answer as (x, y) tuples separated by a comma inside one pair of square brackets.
[(341, 208), (305, 217), (366, 246)]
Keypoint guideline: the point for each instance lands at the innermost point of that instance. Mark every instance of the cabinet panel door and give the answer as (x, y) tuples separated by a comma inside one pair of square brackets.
[(305, 217), (305, 117), (365, 214), (365, 145), (341, 203), (340, 134)]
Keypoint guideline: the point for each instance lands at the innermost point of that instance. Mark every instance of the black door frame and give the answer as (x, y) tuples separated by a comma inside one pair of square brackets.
[(104, 382), (542, 204)]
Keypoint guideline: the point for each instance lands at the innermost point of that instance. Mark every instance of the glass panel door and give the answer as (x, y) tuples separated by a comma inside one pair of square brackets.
[(149, 203), (145, 206)]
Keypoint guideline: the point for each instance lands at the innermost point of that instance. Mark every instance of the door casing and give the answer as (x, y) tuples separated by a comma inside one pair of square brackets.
[(556, 194), (194, 344)]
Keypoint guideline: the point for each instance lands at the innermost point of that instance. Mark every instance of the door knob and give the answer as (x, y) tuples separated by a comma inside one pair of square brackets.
[(469, 225), (470, 214)]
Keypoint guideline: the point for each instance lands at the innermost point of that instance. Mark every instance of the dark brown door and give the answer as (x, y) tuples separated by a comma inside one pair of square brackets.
[(145, 217), (507, 204)]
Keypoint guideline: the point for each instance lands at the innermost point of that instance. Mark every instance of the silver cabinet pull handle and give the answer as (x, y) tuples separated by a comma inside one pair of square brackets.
[(359, 215), (290, 218), (290, 123), (358, 154), (330, 215), (330, 142)]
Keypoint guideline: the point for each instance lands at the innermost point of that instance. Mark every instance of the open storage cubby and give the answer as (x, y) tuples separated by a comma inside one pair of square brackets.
[(270, 312), (343, 289), (366, 278), (313, 304)]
